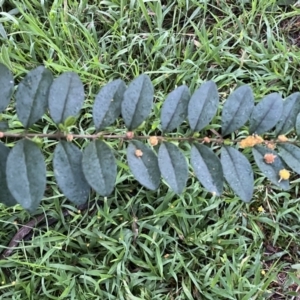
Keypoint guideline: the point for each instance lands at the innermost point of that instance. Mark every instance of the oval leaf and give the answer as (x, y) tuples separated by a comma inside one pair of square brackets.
[(237, 109), (99, 167), (291, 155), (266, 114), (143, 164), (66, 97), (32, 95), (237, 172), (26, 174), (5, 195), (6, 86), (203, 105), (107, 106), (208, 168), (173, 166), (137, 101), (174, 109), (68, 172), (271, 171), (297, 125), (291, 108)]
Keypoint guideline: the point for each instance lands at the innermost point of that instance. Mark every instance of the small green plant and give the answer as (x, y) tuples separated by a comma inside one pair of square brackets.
[(23, 169)]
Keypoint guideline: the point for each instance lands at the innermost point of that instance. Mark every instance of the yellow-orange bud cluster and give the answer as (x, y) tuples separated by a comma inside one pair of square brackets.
[(251, 141), (284, 174)]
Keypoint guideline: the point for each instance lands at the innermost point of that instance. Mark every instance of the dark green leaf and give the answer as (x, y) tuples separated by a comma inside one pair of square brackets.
[(99, 167), (6, 86), (173, 166), (70, 121), (107, 106), (26, 174), (208, 168), (32, 96), (271, 171), (66, 97), (237, 109), (291, 155), (203, 105), (291, 108), (237, 172), (144, 168), (266, 114), (68, 172), (297, 125), (174, 109), (137, 101), (5, 195)]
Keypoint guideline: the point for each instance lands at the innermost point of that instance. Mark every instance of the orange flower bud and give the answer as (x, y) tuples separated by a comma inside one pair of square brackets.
[(129, 135), (269, 158), (153, 140), (138, 153), (271, 145), (70, 137), (282, 138), (206, 139)]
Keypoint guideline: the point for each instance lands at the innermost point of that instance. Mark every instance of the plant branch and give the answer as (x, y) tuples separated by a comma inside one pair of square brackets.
[(59, 135)]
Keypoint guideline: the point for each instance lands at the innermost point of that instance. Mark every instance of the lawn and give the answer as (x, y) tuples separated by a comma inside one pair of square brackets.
[(136, 243)]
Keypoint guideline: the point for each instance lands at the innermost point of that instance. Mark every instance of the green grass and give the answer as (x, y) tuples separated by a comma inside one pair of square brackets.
[(192, 246)]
